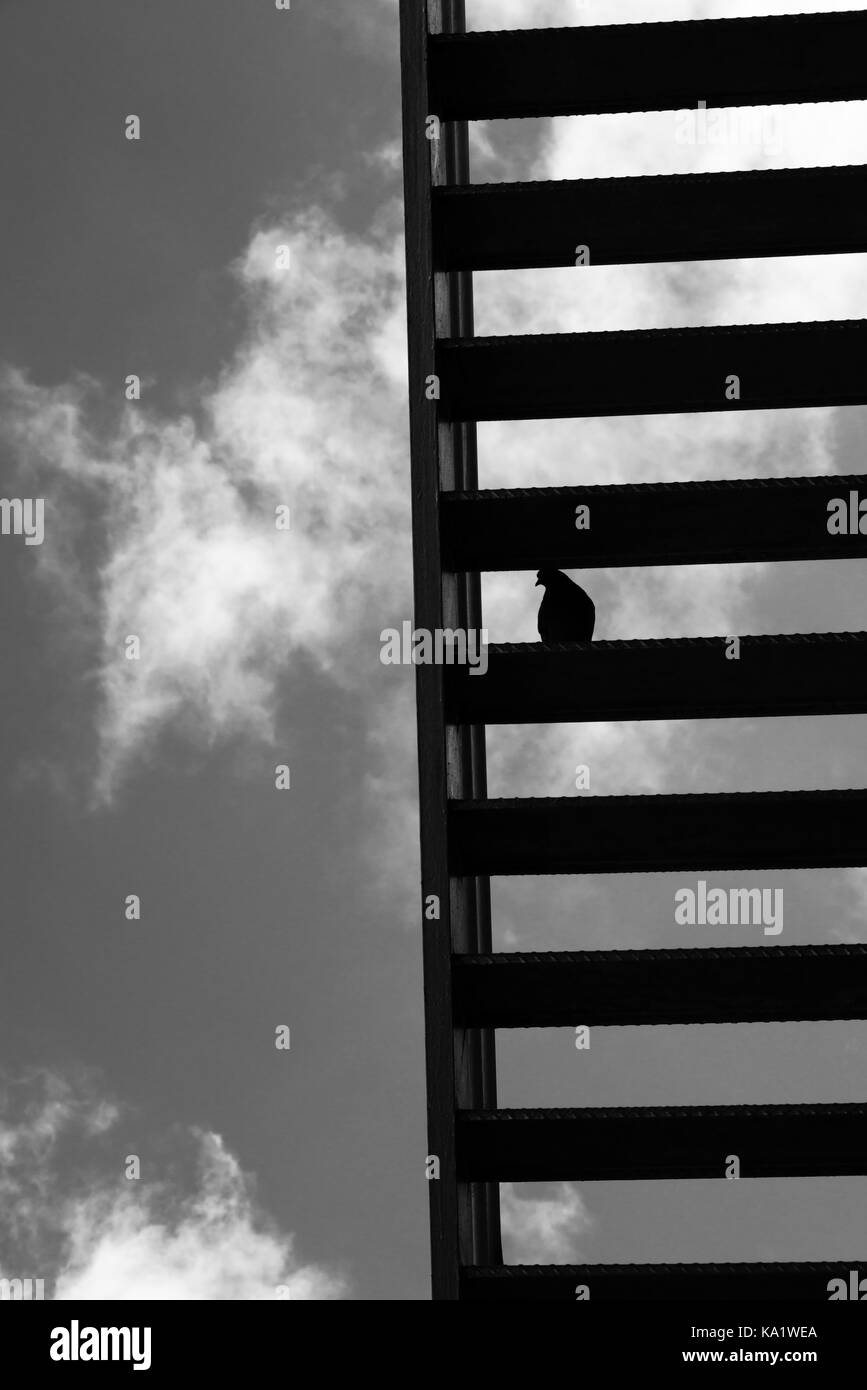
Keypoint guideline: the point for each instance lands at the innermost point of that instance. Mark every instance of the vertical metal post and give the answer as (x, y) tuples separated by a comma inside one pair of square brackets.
[(460, 1062)]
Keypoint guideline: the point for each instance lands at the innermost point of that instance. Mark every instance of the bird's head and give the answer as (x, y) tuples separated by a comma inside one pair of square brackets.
[(546, 577)]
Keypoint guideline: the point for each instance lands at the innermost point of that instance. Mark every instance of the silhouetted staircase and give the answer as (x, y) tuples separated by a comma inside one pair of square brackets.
[(453, 229)]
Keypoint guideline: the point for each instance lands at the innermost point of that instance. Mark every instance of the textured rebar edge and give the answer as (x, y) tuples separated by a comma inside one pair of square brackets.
[(555, 1114), (704, 176), (673, 954), (776, 639), (693, 485), (718, 330), (501, 803), (715, 1267)]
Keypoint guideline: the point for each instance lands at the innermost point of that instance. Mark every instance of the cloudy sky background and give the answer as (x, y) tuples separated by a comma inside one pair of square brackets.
[(301, 1174)]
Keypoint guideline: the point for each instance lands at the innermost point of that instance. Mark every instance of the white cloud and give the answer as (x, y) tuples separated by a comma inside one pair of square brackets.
[(532, 14), (543, 1229), (210, 1247), (310, 414), (113, 1238), (537, 14)]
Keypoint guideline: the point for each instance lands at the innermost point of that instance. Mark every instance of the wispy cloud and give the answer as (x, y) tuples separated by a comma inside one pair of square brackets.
[(91, 1233), (544, 1228), (309, 415)]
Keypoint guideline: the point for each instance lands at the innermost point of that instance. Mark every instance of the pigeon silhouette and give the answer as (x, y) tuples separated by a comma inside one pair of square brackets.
[(566, 613)]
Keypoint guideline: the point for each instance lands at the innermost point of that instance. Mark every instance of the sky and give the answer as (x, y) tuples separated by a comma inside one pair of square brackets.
[(299, 1172)]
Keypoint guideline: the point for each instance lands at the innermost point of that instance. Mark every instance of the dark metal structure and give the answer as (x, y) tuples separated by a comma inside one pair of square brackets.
[(456, 379)]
